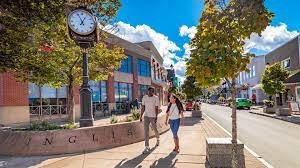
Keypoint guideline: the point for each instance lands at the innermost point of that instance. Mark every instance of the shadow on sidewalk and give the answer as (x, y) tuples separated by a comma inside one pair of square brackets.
[(165, 162), (191, 121), (135, 161)]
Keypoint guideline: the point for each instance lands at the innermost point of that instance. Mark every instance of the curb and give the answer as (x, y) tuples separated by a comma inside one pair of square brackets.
[(268, 165), (278, 118)]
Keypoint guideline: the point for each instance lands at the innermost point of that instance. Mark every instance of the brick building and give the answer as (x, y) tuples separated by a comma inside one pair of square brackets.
[(21, 103)]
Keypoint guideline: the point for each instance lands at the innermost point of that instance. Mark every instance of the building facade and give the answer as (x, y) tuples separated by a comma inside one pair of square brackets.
[(248, 83), (288, 55), (21, 103)]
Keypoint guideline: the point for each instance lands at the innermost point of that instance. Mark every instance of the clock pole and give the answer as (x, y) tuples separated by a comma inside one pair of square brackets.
[(85, 37), (86, 119)]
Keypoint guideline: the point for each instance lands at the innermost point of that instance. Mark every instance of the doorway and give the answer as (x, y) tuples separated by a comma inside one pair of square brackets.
[(298, 95)]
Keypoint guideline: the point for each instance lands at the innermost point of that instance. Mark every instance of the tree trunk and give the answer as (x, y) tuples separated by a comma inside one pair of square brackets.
[(275, 101), (70, 100), (234, 161)]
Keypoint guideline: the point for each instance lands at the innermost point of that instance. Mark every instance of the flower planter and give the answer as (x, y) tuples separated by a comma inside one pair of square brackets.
[(269, 110), (283, 111), (219, 152)]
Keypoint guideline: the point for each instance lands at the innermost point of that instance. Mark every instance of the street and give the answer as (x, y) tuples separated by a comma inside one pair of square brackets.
[(277, 142)]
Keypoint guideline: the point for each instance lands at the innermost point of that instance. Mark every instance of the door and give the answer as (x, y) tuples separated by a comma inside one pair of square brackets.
[(298, 94)]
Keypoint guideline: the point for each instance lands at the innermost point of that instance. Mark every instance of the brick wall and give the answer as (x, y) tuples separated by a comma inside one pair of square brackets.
[(12, 93)]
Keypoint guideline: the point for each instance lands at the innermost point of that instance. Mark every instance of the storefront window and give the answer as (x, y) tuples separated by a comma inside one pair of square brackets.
[(46, 95), (34, 91), (142, 91), (48, 92), (103, 91), (95, 90), (123, 92)]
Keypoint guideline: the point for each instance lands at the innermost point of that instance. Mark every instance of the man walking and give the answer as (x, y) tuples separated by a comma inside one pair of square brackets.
[(150, 104)]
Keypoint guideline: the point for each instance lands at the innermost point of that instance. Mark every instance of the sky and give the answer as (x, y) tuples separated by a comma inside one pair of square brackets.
[(170, 24)]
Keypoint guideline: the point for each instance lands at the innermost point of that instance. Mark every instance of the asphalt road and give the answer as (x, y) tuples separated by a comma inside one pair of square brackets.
[(276, 141)]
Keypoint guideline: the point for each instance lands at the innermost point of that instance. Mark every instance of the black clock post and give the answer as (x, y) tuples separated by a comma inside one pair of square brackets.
[(86, 119), (85, 38)]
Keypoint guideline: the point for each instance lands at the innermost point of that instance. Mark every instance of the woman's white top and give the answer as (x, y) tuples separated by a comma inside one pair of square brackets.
[(174, 112)]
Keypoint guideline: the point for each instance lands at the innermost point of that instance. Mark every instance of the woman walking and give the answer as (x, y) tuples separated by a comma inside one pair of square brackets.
[(175, 117)]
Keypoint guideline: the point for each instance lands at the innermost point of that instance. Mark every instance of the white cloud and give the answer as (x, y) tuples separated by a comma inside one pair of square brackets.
[(143, 32), (187, 31), (272, 37)]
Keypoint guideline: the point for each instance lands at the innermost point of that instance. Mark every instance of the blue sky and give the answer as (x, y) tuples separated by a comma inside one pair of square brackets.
[(170, 23)]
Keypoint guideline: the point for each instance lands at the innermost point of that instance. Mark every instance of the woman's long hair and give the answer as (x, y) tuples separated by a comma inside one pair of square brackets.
[(177, 102)]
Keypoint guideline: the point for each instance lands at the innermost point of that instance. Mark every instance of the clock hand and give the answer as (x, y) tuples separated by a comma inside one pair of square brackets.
[(82, 21), (79, 17)]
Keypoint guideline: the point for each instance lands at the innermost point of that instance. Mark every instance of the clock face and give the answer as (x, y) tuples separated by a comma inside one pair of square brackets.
[(81, 22)]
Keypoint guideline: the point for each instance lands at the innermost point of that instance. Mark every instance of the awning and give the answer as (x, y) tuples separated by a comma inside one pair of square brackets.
[(293, 78)]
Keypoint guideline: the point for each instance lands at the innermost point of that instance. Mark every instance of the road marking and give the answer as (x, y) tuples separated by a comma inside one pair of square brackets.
[(268, 165)]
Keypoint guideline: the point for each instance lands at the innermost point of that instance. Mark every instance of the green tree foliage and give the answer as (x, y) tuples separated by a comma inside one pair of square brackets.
[(177, 93), (190, 89), (36, 46), (273, 80), (218, 46)]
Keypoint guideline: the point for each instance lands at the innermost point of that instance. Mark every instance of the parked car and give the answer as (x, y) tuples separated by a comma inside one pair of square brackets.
[(189, 105), (243, 103)]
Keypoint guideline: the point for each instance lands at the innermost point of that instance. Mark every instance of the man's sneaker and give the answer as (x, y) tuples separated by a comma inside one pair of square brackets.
[(157, 143), (146, 150)]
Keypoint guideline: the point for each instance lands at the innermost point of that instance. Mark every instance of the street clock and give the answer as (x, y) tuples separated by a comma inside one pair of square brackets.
[(81, 22), (82, 27)]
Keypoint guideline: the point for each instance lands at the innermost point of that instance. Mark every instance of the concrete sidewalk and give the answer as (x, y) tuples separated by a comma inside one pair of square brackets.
[(294, 118), (193, 152)]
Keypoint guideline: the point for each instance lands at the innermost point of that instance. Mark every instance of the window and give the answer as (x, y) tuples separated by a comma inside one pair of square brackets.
[(253, 71), (250, 72), (48, 92), (123, 92), (286, 63), (126, 65), (46, 95), (103, 97), (143, 68), (142, 91), (95, 91), (34, 91)]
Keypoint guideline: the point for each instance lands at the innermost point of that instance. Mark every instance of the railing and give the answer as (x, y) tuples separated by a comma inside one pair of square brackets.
[(100, 108), (48, 110)]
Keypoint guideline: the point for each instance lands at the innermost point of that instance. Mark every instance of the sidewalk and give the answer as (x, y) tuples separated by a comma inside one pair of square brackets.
[(293, 118), (193, 152)]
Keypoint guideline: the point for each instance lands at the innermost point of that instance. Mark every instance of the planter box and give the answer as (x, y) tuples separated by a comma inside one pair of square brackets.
[(197, 113), (219, 150), (269, 110), (283, 112)]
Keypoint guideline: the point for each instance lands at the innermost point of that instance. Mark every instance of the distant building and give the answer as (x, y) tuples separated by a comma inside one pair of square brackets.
[(249, 83), (288, 55)]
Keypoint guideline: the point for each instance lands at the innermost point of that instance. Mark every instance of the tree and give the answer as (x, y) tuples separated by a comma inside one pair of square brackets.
[(190, 89), (273, 80), (218, 46), (177, 92), (36, 46)]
